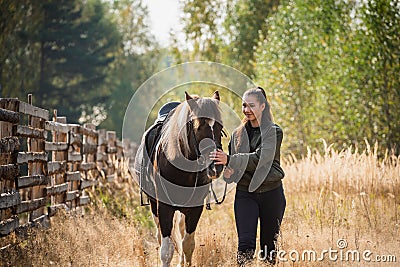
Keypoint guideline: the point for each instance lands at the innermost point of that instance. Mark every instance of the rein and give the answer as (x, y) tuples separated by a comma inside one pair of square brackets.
[(198, 155)]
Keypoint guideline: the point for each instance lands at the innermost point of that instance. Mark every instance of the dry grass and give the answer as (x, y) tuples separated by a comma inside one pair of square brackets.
[(346, 194)]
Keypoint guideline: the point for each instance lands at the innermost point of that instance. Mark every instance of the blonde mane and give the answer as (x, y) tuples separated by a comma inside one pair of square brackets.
[(174, 138)]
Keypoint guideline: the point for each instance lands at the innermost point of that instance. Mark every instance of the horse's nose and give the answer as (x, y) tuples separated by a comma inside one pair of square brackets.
[(213, 170)]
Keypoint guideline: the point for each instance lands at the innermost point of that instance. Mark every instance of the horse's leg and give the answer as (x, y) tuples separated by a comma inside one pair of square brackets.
[(165, 215), (157, 222), (153, 205), (188, 244), (167, 251), (192, 217), (178, 231)]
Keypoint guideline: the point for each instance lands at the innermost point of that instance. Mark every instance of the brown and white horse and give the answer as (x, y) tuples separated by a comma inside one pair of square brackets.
[(183, 172)]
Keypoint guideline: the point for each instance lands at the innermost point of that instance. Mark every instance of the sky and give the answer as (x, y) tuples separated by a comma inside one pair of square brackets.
[(164, 15)]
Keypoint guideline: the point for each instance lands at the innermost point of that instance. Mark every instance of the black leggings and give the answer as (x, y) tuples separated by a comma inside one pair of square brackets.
[(269, 207)]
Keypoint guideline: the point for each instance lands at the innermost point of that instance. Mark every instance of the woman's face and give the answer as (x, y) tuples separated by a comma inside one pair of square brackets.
[(252, 109)]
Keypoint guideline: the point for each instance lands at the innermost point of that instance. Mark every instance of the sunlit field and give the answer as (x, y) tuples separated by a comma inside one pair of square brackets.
[(343, 209)]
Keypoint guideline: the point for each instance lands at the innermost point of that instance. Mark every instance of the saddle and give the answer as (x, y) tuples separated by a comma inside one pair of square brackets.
[(146, 153)]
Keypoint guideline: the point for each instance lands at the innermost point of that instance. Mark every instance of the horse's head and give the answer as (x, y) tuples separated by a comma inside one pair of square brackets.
[(205, 130), (192, 132)]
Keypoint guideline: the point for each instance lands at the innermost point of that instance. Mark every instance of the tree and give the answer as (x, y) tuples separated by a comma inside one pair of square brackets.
[(19, 57), (300, 64), (380, 66), (244, 23), (329, 67), (136, 61), (78, 44)]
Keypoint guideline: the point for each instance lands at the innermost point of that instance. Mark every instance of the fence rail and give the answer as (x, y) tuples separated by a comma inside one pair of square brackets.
[(46, 165)]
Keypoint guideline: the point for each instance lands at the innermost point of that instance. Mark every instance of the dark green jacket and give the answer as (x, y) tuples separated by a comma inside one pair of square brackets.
[(256, 161)]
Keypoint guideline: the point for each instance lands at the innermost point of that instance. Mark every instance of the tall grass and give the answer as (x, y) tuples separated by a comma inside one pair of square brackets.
[(349, 194)]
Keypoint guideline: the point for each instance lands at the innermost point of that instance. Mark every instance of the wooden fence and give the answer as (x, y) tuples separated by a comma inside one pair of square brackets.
[(47, 164)]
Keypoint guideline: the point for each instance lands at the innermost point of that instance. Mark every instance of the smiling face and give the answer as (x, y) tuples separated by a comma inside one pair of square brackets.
[(252, 109)]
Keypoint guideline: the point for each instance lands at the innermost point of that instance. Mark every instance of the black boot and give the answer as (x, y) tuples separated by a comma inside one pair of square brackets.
[(244, 257), (270, 258)]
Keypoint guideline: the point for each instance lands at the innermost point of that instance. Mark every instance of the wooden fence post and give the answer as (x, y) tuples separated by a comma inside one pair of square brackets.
[(101, 156), (88, 165), (57, 167), (9, 147), (111, 152), (74, 161), (35, 168)]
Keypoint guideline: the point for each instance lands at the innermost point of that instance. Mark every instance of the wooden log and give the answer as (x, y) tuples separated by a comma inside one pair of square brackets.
[(33, 111), (88, 132), (59, 137), (74, 156), (71, 195), (41, 221), (89, 149), (52, 210), (31, 205), (102, 137), (9, 104), (9, 172), (8, 200), (27, 131), (119, 143), (75, 139), (111, 150), (84, 200), (88, 183), (73, 176), (87, 166), (9, 144), (34, 180), (111, 138), (9, 225), (55, 190), (56, 127), (9, 116), (56, 146), (101, 156), (54, 167), (25, 157), (37, 156)]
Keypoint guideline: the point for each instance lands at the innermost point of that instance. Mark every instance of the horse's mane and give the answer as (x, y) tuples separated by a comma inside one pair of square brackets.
[(174, 137)]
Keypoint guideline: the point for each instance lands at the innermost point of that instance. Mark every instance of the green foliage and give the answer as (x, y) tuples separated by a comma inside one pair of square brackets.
[(244, 23), (137, 60), (78, 44), (84, 58), (318, 66)]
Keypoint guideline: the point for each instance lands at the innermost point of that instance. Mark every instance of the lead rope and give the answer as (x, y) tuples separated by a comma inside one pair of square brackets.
[(198, 154)]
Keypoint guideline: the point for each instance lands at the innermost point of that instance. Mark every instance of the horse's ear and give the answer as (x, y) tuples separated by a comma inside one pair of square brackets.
[(191, 101), (188, 97), (216, 95)]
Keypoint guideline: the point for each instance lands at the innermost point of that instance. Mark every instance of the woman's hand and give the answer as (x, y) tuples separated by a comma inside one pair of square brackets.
[(219, 157)]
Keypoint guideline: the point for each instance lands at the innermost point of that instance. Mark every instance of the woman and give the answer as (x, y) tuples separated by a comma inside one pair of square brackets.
[(254, 163)]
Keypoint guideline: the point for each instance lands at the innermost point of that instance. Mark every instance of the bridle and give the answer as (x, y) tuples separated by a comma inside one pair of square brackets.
[(199, 156), (201, 161)]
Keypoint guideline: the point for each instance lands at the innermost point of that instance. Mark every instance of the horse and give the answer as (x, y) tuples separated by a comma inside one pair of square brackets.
[(183, 173)]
